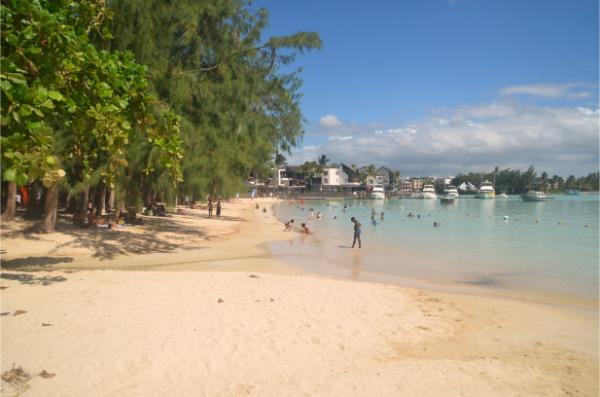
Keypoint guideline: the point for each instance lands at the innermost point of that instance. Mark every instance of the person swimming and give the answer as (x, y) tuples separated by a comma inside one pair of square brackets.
[(357, 232), (435, 224)]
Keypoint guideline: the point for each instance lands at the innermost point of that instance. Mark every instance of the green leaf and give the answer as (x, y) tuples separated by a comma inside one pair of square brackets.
[(125, 124), (34, 50), (21, 179), (51, 160), (57, 96), (25, 110), (48, 104), (10, 175), (71, 106)]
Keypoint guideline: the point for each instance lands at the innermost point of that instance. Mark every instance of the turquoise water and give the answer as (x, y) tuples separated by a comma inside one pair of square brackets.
[(547, 247)]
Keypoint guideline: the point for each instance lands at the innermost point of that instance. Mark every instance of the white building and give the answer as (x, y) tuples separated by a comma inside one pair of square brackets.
[(334, 177)]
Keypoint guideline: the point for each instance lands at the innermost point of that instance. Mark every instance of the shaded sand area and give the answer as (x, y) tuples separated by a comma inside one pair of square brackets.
[(183, 241), (74, 331)]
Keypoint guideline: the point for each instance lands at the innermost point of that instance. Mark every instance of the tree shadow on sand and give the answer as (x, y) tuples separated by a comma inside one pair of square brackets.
[(106, 244), (30, 279), (34, 261)]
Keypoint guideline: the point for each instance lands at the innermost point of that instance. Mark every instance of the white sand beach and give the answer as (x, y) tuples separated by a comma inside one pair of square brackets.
[(134, 316)]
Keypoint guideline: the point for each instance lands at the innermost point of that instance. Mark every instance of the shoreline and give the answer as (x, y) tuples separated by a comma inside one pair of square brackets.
[(220, 319)]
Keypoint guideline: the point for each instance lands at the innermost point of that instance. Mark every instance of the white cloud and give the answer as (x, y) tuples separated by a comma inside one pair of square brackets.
[(552, 91), (330, 121), (561, 140), (340, 138)]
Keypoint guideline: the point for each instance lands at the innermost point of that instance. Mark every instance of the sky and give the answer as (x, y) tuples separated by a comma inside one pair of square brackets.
[(437, 87)]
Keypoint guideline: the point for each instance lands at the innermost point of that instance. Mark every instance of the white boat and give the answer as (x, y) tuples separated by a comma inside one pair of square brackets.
[(486, 191), (450, 194), (428, 192), (377, 192), (502, 195), (535, 196)]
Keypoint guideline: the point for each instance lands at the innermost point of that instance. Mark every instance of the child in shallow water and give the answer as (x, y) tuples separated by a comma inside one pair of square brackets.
[(288, 225), (305, 229)]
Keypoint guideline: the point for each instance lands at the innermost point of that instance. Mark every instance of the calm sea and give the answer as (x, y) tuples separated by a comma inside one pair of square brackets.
[(546, 247)]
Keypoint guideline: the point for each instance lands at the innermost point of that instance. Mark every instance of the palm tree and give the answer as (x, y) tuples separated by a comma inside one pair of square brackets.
[(529, 176), (371, 170), (323, 160), (280, 160), (397, 177), (544, 180), (311, 170)]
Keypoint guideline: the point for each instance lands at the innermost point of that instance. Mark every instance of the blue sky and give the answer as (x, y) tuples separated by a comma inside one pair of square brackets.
[(441, 86)]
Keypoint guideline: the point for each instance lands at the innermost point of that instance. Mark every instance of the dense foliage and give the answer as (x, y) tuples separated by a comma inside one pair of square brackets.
[(236, 93), (150, 99)]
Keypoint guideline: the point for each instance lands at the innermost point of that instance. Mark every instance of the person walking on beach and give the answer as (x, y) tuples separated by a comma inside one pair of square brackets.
[(219, 209), (357, 226), (210, 208)]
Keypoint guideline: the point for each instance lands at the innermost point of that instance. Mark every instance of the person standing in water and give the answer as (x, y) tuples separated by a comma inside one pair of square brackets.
[(357, 226)]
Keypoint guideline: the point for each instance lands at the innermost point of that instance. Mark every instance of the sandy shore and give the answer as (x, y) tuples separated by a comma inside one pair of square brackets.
[(251, 332)]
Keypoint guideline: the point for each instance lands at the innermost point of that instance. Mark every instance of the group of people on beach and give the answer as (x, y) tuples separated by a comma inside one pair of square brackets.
[(305, 230)]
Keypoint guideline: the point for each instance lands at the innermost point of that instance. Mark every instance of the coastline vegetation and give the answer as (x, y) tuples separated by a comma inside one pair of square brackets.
[(145, 99), (514, 181)]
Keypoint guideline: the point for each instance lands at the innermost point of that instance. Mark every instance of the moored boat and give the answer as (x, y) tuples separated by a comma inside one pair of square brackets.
[(450, 194), (377, 192), (428, 192), (486, 191), (535, 196)]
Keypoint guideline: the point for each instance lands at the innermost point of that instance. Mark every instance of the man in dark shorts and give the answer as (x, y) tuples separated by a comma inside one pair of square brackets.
[(219, 209), (357, 226)]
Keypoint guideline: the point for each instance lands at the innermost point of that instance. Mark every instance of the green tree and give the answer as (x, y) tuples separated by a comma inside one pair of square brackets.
[(68, 106), (311, 170), (238, 95)]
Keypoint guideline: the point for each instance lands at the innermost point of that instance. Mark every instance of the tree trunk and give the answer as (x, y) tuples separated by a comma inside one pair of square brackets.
[(100, 199), (111, 200), (50, 209), (11, 203), (80, 215)]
